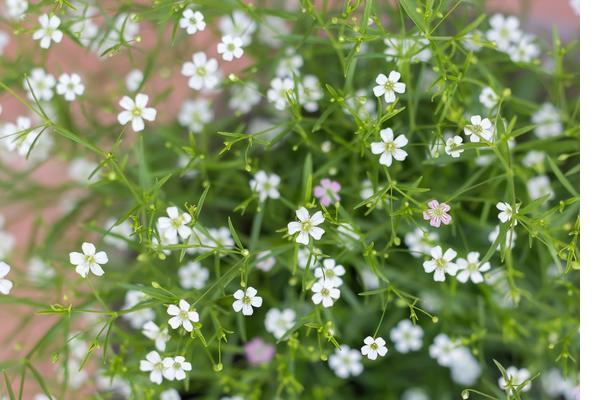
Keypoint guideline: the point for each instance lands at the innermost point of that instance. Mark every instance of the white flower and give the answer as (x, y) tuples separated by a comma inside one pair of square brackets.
[(539, 186), (547, 119), (123, 29), (470, 268), (441, 263), (238, 25), (415, 394), (170, 394), (442, 349), (195, 114), (136, 111), (155, 365), (370, 279), (365, 108), (278, 322), (289, 65), (488, 97), (479, 129), (15, 9), (134, 79), (244, 97), (464, 368), (451, 146), (515, 377), (389, 147), (406, 336), (154, 332), (510, 239), (504, 32), (81, 169), (304, 255), (534, 158), (175, 224), (38, 271), (417, 49), (265, 185), (5, 284), (525, 50), (70, 86), (506, 213), (39, 84), (4, 40), (230, 48), (307, 225), (279, 92), (373, 348), (182, 316), (388, 86), (331, 272), (345, 362), (88, 260), (203, 72), (324, 292), (192, 21), (20, 137), (117, 235), (192, 275), (137, 318), (265, 261), (271, 29), (245, 300), (175, 368), (83, 26), (310, 93), (48, 31), (473, 40)]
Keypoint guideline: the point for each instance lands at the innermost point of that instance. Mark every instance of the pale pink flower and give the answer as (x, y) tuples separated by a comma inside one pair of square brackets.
[(437, 213), (327, 191), (258, 351)]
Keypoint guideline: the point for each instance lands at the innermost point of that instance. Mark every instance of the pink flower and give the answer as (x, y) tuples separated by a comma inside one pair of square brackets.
[(258, 351), (327, 192), (437, 213)]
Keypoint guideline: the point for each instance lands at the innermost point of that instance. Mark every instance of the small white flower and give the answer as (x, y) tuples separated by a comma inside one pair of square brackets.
[(195, 114), (406, 336), (15, 9), (265, 185), (442, 349), (278, 322), (451, 146), (192, 275), (346, 362), (230, 48), (244, 97), (464, 369), (175, 224), (279, 92), (510, 239), (70, 86), (203, 72), (289, 65), (245, 300), (324, 292), (176, 368), (310, 93), (524, 51), (389, 147), (506, 213), (136, 111), (39, 84), (182, 316), (539, 186), (133, 80), (365, 108), (473, 40), (470, 268), (265, 261), (137, 318), (488, 98), (271, 29), (515, 377), (479, 129), (38, 271), (155, 365), (441, 263), (154, 332), (5, 284), (307, 225), (81, 169), (88, 260), (548, 122), (170, 394), (504, 31), (373, 348), (388, 86), (117, 235), (331, 272), (238, 24), (304, 255), (192, 21), (417, 49), (48, 31), (534, 159)]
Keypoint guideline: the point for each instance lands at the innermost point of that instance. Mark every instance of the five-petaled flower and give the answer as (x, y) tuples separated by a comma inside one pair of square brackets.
[(70, 86), (48, 31), (507, 214), (441, 263), (175, 224), (470, 268), (373, 348), (153, 364), (265, 185), (136, 111), (407, 336), (389, 147), (192, 21), (325, 292), (479, 129), (182, 316), (327, 191), (230, 48), (437, 213), (89, 260), (388, 86), (451, 146), (330, 271), (245, 300), (202, 71), (176, 367), (306, 225)]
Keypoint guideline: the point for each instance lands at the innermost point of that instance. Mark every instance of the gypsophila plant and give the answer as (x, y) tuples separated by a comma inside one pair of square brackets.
[(287, 200)]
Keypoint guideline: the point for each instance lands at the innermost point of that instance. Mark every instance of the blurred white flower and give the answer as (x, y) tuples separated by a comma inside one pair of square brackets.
[(230, 47), (15, 9), (70, 86), (488, 98), (548, 122), (310, 93), (176, 368), (244, 97), (279, 92), (153, 364), (238, 25), (265, 261), (195, 114), (202, 71), (278, 322), (192, 275), (539, 186), (118, 235), (330, 271), (5, 284), (81, 169), (504, 31), (407, 336), (39, 85), (266, 185), (514, 378), (141, 315), (134, 79), (154, 332), (346, 362), (525, 50), (192, 21), (289, 65), (39, 272)]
